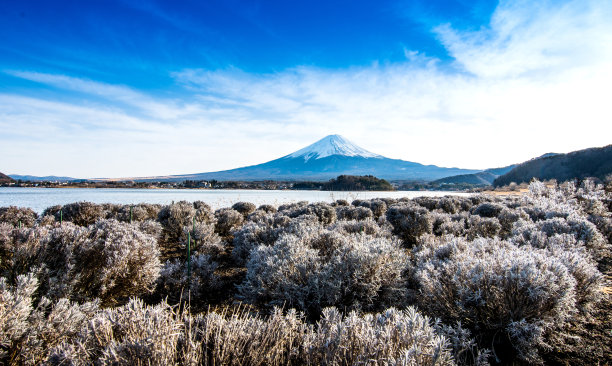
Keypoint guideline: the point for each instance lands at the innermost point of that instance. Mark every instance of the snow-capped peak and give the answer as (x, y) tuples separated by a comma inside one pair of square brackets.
[(332, 145)]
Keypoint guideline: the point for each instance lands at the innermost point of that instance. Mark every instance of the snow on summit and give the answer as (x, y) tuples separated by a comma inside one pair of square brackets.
[(332, 145)]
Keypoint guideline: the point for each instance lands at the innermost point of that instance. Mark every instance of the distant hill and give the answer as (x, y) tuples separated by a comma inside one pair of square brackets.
[(480, 179), (484, 178), (594, 162), (48, 178), (5, 179)]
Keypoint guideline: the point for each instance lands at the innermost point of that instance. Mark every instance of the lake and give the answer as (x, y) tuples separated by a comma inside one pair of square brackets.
[(40, 198)]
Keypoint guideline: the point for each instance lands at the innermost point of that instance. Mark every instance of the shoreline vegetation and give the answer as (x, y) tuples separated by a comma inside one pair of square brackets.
[(341, 183), (476, 280)]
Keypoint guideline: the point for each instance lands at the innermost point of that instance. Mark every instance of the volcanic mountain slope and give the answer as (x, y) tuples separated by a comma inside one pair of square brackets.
[(328, 158)]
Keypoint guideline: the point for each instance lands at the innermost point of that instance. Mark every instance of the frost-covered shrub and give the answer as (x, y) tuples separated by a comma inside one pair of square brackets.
[(137, 213), (368, 227), (409, 221), (243, 339), (337, 203), (57, 261), (483, 227), (604, 226), (15, 308), (366, 273), (267, 208), (17, 216), (268, 230), (19, 250), (512, 297), (259, 216), (203, 239), (378, 207), (114, 262), (353, 213), (488, 209), (450, 204), (444, 224), (325, 270), (174, 217), (584, 232), (389, 201), (174, 281), (507, 218), (27, 333), (250, 236), (325, 213), (464, 348), (51, 324), (52, 211), (393, 337), (150, 227), (129, 335), (47, 220), (284, 274), (81, 213), (429, 203), (583, 268), (227, 220), (245, 208)]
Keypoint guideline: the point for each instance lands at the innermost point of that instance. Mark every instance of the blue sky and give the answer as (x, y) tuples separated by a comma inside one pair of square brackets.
[(134, 88)]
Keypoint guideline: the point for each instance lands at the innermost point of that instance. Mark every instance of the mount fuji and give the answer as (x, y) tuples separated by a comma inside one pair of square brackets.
[(328, 158)]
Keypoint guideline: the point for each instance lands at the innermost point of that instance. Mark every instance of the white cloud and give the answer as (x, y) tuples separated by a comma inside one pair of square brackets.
[(536, 79)]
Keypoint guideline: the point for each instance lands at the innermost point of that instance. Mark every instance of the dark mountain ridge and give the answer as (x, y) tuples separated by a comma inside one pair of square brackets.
[(594, 162)]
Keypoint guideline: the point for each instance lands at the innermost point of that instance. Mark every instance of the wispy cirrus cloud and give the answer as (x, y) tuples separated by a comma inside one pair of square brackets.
[(536, 79)]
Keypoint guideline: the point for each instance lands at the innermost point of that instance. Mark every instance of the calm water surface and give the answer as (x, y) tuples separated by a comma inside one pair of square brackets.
[(40, 198)]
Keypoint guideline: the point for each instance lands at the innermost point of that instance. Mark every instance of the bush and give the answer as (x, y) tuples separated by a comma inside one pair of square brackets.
[(310, 272), (245, 208), (353, 213), (368, 227), (250, 236), (18, 216), (51, 324), (19, 250), (15, 308), (267, 208), (325, 213), (173, 281), (81, 213), (174, 218), (378, 207), (203, 239), (138, 213), (483, 227), (488, 209), (512, 297), (114, 262), (126, 335), (244, 339), (227, 220), (409, 222), (394, 337)]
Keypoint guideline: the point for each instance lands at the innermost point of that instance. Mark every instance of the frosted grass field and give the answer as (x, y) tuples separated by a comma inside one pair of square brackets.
[(40, 198)]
